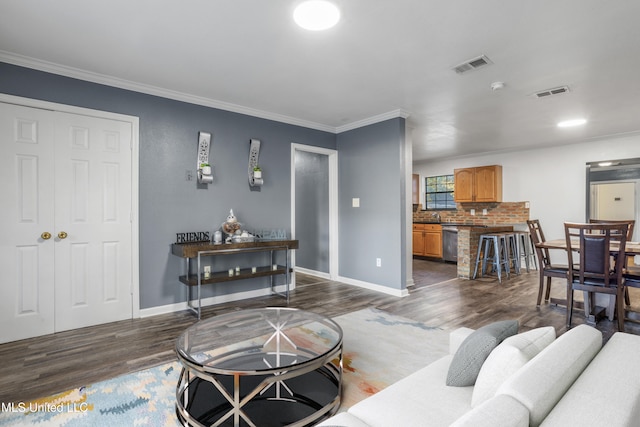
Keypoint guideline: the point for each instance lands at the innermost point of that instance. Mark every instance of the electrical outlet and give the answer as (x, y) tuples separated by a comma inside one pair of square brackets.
[(188, 175), (484, 212), (473, 212), (207, 271), (378, 262)]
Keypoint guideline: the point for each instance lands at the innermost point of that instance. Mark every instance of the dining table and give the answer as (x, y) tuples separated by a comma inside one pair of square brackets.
[(631, 249)]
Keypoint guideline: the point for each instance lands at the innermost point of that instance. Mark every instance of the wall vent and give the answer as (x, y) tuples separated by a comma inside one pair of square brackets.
[(549, 92), (472, 64)]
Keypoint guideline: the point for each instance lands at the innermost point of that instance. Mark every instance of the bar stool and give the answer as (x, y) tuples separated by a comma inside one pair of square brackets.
[(525, 249), (493, 248), (510, 254)]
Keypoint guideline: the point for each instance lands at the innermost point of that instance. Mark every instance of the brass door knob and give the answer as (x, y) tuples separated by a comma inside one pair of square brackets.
[(62, 235), (46, 235)]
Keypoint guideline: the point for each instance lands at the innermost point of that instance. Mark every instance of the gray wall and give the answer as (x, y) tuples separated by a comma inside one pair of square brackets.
[(168, 140), (371, 165), (312, 210)]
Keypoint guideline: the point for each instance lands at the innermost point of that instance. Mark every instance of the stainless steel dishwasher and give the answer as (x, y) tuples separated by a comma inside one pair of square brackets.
[(450, 243)]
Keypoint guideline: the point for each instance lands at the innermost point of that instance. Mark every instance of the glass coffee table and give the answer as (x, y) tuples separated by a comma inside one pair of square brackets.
[(259, 367)]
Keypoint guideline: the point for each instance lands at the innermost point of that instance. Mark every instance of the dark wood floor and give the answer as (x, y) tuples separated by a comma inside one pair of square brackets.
[(42, 366)]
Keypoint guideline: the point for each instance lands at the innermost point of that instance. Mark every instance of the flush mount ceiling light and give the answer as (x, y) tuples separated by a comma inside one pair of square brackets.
[(572, 123), (316, 15)]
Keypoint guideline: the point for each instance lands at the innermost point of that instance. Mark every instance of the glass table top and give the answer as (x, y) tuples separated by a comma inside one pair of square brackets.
[(258, 340)]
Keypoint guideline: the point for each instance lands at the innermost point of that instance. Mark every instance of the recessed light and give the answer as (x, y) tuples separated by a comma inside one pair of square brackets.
[(316, 15), (571, 123)]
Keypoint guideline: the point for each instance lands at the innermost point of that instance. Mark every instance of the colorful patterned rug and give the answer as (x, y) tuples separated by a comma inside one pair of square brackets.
[(379, 349)]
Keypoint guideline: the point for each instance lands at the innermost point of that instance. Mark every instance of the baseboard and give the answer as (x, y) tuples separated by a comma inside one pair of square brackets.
[(171, 308), (313, 273), (374, 287)]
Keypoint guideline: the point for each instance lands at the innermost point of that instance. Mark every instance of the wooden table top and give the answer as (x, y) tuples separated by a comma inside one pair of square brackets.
[(190, 250), (632, 248)]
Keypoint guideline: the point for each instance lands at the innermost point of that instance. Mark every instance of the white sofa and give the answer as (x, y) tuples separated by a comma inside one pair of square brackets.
[(530, 379)]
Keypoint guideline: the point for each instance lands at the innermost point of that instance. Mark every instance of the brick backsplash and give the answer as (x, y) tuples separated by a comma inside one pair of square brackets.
[(497, 214)]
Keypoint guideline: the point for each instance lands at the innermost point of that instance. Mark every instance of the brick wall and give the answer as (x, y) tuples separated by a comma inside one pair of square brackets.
[(497, 214)]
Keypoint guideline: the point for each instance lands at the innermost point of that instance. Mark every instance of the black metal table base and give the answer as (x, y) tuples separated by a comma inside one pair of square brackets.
[(312, 392)]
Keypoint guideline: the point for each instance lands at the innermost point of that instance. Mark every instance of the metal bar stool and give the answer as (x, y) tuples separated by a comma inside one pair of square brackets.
[(511, 251), (525, 250), (492, 249)]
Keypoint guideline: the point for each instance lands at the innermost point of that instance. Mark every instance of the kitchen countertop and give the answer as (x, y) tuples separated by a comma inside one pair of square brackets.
[(463, 224)]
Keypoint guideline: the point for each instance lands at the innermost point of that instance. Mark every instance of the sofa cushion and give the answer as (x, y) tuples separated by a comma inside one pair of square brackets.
[(607, 392), (472, 353), (343, 419), (548, 376), (507, 358), (499, 411), (422, 397)]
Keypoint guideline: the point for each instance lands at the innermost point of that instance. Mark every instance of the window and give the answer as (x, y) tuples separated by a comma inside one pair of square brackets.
[(439, 192)]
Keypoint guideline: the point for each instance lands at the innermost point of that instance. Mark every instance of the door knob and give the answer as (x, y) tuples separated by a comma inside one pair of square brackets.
[(62, 235), (46, 235)]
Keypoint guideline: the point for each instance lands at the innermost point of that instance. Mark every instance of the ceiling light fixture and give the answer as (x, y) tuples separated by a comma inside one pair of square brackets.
[(572, 123), (316, 15)]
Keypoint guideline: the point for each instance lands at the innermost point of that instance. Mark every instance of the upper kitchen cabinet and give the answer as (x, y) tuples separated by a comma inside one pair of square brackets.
[(481, 184)]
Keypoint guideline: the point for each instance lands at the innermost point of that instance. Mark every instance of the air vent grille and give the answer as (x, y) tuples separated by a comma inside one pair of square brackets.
[(549, 92), (472, 64)]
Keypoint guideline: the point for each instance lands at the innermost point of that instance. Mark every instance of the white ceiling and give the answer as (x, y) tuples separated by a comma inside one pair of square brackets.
[(385, 58)]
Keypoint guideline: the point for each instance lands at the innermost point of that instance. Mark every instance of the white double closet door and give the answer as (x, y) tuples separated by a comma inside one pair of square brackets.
[(65, 221)]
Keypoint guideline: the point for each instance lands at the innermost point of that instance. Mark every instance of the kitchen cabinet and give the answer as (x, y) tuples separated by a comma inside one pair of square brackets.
[(427, 240), (480, 184), (415, 188)]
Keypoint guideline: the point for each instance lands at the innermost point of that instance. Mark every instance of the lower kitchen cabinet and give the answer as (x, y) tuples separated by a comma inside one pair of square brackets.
[(427, 240)]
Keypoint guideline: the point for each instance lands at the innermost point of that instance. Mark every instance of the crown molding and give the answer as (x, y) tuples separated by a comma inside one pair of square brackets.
[(76, 73), (372, 120)]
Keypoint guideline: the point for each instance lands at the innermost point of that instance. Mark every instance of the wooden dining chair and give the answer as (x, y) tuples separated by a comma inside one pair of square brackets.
[(595, 272), (631, 278), (547, 269), (632, 223)]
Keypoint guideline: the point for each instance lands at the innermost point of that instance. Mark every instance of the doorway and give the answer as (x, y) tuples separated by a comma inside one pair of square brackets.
[(69, 252), (314, 210), (615, 200)]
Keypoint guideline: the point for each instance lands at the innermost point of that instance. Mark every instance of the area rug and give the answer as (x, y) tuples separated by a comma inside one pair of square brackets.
[(379, 349)]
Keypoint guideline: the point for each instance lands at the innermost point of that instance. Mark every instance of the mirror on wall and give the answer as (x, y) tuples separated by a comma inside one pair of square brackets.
[(612, 190)]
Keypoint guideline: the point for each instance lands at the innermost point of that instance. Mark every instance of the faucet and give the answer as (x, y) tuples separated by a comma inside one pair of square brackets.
[(436, 215)]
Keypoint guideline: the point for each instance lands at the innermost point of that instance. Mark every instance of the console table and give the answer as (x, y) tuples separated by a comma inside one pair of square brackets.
[(191, 251)]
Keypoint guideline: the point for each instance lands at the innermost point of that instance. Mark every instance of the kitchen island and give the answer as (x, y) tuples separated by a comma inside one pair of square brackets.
[(468, 238)]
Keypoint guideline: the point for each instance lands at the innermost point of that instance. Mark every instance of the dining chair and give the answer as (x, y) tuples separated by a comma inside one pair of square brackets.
[(632, 223), (597, 271), (546, 268), (631, 277)]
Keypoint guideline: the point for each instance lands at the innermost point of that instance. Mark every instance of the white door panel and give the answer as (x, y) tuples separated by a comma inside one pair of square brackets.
[(63, 173), (93, 206), (27, 191)]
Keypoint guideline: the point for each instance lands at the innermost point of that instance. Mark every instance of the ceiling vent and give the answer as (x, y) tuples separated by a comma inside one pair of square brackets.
[(472, 64), (549, 92)]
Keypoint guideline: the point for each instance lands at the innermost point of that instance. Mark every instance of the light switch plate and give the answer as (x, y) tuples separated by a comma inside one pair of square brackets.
[(355, 202)]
